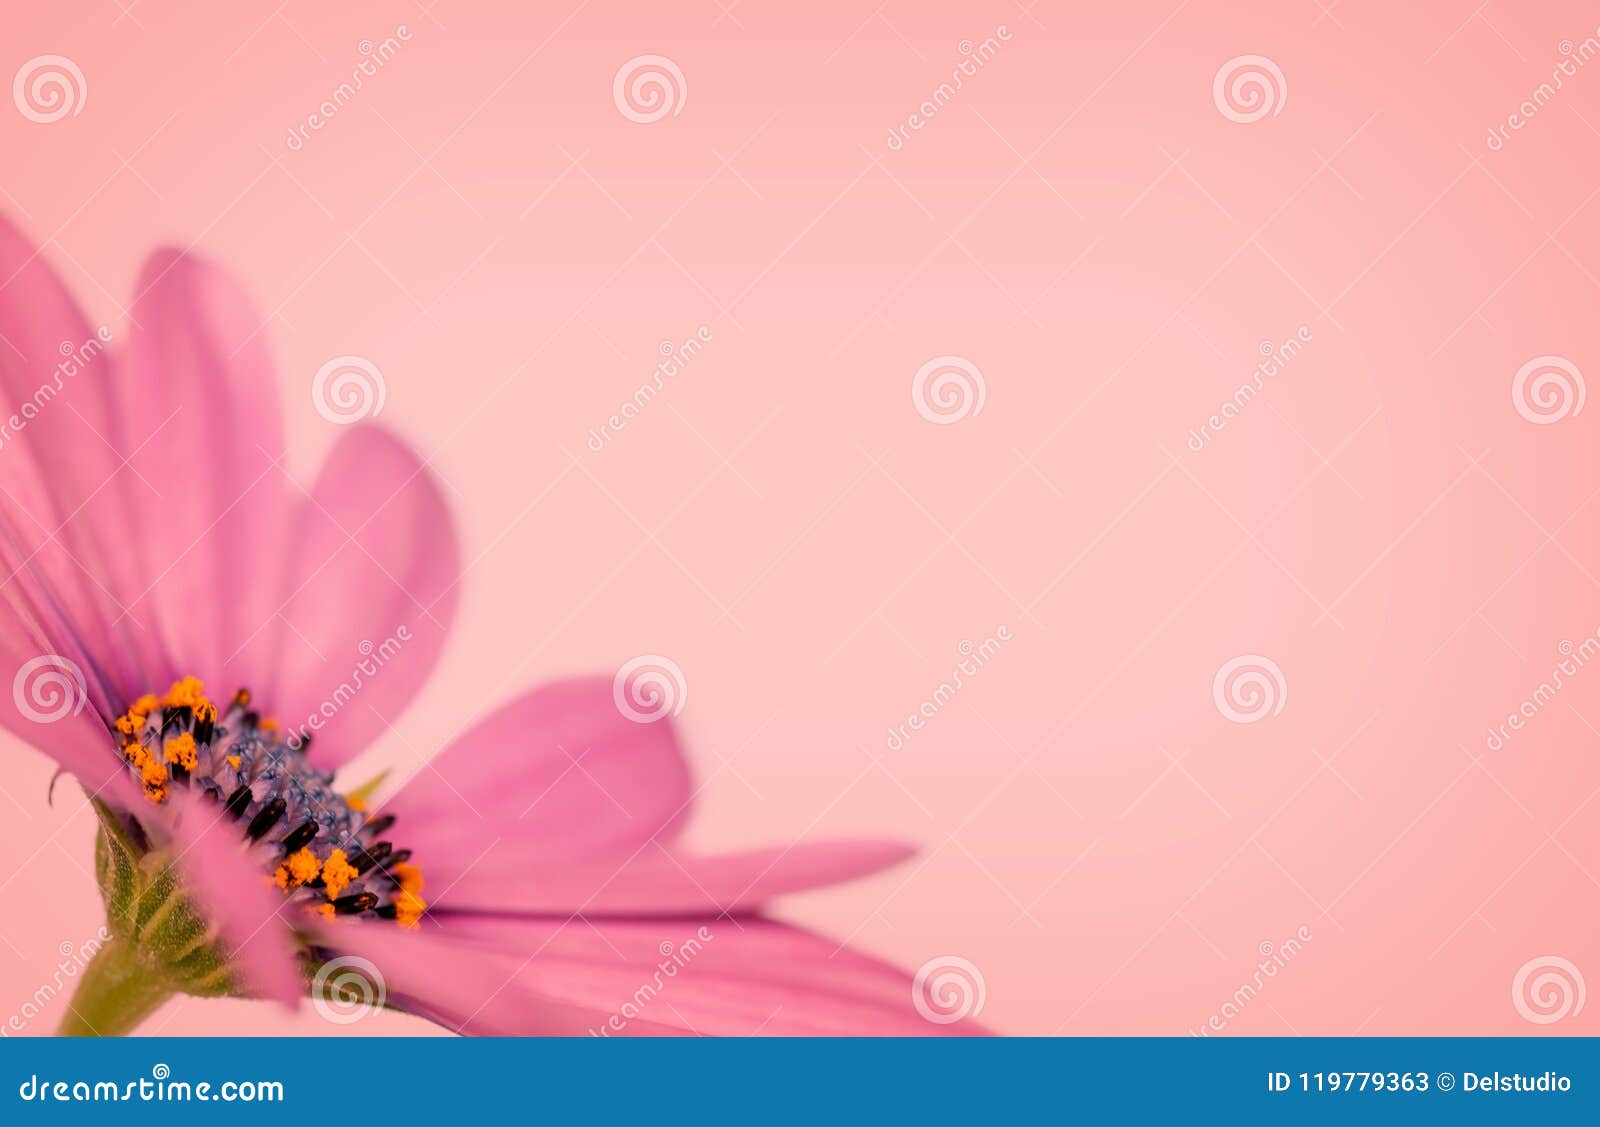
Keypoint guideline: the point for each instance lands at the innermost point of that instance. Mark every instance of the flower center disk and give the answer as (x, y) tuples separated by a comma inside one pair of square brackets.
[(318, 845)]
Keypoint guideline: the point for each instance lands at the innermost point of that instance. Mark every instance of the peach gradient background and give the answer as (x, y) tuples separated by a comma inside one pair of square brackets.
[(1085, 226)]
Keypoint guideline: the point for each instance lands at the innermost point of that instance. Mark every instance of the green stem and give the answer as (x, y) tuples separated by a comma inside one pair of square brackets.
[(116, 992)]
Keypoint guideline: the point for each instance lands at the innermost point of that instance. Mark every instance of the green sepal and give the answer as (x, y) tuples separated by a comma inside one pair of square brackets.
[(151, 916), (161, 944)]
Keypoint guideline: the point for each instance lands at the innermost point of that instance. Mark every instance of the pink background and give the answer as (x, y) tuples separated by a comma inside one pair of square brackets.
[(1110, 250)]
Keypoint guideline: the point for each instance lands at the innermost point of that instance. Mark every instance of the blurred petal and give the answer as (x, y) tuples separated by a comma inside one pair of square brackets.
[(77, 744), (633, 977), (656, 882), (461, 981), (204, 437), (230, 887), (371, 595), (555, 776), (62, 482), (44, 653)]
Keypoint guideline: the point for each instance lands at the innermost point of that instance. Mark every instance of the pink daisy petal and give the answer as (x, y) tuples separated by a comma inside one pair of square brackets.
[(61, 477), (204, 437), (231, 888), (79, 746), (655, 882), (50, 667), (632, 977), (558, 802), (459, 980), (370, 596), (557, 775)]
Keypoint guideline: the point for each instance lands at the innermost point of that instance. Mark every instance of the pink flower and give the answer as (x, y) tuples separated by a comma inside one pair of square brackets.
[(156, 558)]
